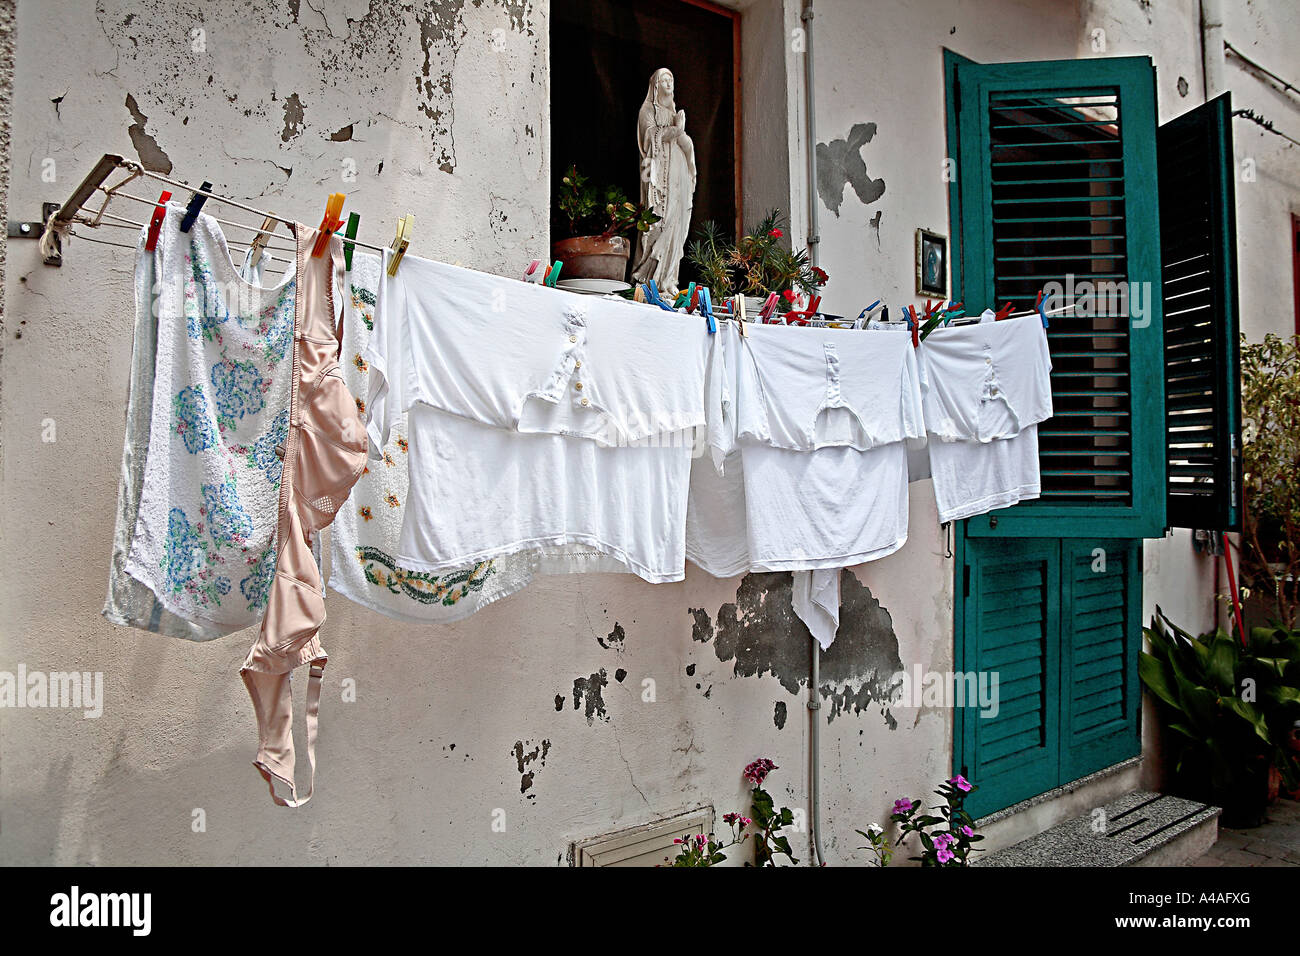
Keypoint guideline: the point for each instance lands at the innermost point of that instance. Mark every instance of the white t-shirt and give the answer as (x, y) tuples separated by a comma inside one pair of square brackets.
[(809, 431), (986, 387), (540, 422)]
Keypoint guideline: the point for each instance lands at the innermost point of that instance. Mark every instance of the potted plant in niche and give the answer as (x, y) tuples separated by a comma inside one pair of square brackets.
[(598, 220), (755, 265)]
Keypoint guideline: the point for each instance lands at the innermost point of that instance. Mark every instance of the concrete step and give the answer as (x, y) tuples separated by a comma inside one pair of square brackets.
[(1140, 828)]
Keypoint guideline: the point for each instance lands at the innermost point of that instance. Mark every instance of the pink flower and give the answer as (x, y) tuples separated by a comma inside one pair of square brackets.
[(757, 771), (678, 840), (943, 841), (967, 831), (903, 806), (961, 783), (943, 856)]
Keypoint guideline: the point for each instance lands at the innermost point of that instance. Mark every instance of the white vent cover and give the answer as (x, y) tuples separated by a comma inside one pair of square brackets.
[(646, 845)]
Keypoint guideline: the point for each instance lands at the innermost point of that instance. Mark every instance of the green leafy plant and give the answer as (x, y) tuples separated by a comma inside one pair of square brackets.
[(877, 843), (700, 850), (1270, 400), (947, 839), (769, 842), (1229, 708), (600, 211), (755, 264)]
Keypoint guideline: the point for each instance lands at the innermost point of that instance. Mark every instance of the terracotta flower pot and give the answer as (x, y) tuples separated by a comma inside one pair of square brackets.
[(593, 257)]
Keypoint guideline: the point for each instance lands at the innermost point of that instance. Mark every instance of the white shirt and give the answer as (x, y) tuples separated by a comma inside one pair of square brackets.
[(539, 421), (986, 387)]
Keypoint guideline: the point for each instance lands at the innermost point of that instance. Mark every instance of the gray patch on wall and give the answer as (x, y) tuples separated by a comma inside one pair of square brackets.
[(588, 695), (702, 628), (763, 635), (779, 715), (525, 758), (151, 154), (615, 639), (293, 116), (840, 164)]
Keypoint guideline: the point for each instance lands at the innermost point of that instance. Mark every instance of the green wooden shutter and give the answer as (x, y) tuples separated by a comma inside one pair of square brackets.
[(1101, 595), (1058, 169), (1202, 353), (1011, 627)]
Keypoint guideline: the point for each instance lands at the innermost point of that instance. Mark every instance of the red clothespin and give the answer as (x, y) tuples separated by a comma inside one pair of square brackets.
[(156, 221), (1002, 313), (916, 327), (330, 224), (692, 298), (804, 316)]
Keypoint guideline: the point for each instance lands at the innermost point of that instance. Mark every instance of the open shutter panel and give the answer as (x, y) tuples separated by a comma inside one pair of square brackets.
[(1100, 599), (1063, 154), (1012, 631), (1202, 353)]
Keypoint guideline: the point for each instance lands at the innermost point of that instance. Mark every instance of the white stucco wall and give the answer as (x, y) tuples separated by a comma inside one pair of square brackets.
[(453, 101)]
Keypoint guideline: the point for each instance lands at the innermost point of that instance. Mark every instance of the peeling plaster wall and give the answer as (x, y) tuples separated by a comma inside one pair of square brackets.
[(582, 705)]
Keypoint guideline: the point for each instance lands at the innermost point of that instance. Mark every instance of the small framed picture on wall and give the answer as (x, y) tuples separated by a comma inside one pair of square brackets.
[(931, 264)]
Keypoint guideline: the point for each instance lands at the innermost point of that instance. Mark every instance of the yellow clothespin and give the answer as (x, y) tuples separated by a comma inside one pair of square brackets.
[(405, 225), (330, 224)]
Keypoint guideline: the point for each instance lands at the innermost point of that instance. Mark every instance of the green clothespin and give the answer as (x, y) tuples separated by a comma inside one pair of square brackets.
[(553, 273), (354, 221)]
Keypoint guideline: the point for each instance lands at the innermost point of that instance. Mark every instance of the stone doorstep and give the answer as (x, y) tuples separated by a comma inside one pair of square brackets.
[(1141, 829)]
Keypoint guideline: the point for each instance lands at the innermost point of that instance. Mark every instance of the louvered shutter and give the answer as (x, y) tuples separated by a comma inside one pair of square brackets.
[(1202, 353), (1100, 603), (1011, 617), (1059, 186)]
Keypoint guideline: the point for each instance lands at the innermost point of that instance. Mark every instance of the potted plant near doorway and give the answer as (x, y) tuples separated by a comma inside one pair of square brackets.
[(599, 221)]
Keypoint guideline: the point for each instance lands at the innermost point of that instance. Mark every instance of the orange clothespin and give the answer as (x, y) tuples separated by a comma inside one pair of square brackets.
[(156, 220), (330, 224), (405, 225)]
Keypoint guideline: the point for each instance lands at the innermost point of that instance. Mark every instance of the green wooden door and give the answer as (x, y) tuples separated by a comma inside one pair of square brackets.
[(1055, 621)]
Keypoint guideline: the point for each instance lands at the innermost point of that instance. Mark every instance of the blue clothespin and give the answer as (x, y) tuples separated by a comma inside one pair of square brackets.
[(1041, 306), (868, 310), (706, 307), (907, 315), (196, 203), (652, 296)]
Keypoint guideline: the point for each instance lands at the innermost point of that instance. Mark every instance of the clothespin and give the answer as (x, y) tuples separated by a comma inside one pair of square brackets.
[(769, 307), (692, 298), (258, 244), (329, 224), (706, 308), (915, 325), (196, 203), (952, 311), (638, 295), (156, 220), (553, 273), (1041, 306), (738, 313), (653, 297), (681, 300), (354, 221), (866, 313), (804, 316), (1002, 313), (405, 225)]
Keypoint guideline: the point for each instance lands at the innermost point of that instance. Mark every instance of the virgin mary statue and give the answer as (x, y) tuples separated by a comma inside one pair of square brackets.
[(667, 183)]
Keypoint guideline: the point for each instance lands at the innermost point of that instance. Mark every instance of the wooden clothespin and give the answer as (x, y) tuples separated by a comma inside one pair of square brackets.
[(638, 294), (405, 225), (329, 224), (258, 244), (156, 221), (354, 221), (738, 313), (196, 203)]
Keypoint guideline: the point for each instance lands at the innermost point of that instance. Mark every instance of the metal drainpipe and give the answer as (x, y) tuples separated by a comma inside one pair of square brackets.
[(1212, 55), (814, 239), (814, 231)]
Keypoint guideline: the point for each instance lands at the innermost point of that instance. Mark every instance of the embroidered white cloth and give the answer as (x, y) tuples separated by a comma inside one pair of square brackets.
[(986, 388), (365, 533), (203, 541), (539, 420)]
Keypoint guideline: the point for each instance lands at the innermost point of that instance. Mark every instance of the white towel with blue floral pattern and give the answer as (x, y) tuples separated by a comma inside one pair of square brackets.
[(204, 534), (364, 535)]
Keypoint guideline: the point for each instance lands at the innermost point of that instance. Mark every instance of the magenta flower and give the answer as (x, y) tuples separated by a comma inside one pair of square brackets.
[(678, 840), (968, 831), (757, 771), (943, 856), (903, 806), (700, 840), (961, 783), (730, 818)]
